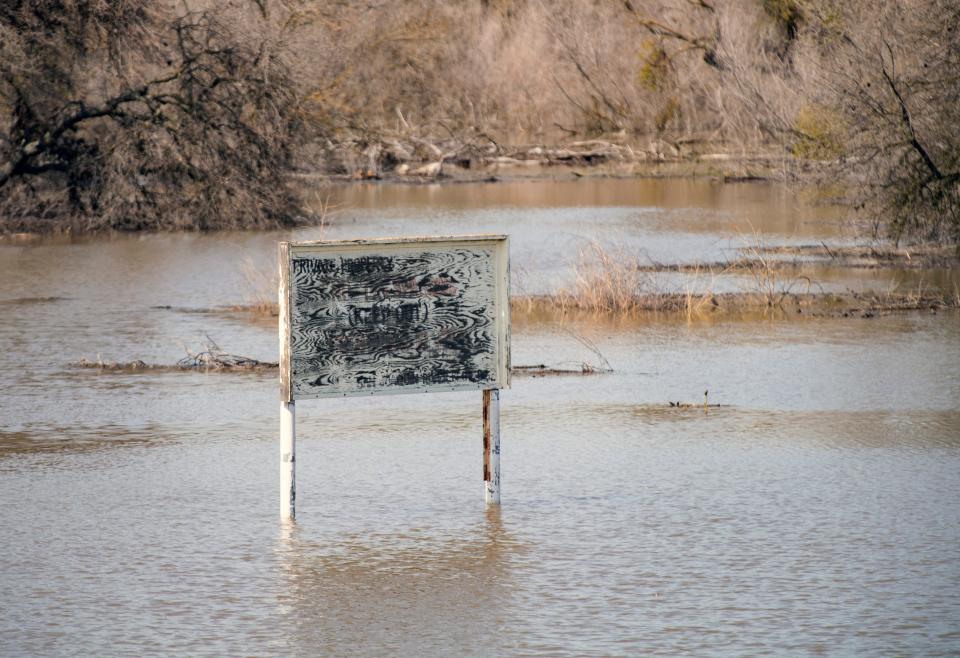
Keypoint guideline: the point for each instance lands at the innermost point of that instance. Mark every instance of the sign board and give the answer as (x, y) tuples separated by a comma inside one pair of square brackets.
[(384, 316)]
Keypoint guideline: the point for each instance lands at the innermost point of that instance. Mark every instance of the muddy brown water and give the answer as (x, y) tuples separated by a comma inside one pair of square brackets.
[(814, 514)]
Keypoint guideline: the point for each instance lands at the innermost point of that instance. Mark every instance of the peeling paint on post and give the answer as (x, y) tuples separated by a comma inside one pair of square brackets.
[(491, 446), (288, 408), (288, 460), (389, 316)]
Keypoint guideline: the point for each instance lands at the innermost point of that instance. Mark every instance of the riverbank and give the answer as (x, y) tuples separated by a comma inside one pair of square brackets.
[(413, 161), (389, 164)]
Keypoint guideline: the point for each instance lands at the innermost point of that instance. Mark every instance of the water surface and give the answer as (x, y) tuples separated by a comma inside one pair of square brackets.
[(814, 513)]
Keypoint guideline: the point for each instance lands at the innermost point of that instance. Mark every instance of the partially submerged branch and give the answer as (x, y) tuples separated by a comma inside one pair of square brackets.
[(211, 359)]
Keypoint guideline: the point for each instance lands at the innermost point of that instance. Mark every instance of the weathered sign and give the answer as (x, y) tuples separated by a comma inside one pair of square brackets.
[(384, 316)]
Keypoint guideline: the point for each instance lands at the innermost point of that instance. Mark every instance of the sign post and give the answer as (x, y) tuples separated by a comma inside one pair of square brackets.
[(491, 446), (391, 316), (288, 459)]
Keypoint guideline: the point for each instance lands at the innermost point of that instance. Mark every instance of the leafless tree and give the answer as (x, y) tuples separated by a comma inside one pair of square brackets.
[(188, 113), (896, 85), (130, 115)]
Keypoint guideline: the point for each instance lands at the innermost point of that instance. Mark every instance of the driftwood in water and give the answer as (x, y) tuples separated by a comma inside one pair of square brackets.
[(543, 370), (582, 368), (233, 363), (420, 158), (210, 359)]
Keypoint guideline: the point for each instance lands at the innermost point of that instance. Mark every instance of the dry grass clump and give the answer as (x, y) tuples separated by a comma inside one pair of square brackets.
[(768, 280), (607, 280), (262, 282), (262, 285), (613, 282)]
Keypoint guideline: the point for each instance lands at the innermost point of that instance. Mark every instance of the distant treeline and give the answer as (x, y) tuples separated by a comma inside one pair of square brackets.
[(134, 114)]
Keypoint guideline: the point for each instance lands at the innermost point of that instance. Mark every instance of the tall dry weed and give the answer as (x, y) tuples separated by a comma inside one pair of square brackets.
[(606, 280), (697, 299), (770, 280)]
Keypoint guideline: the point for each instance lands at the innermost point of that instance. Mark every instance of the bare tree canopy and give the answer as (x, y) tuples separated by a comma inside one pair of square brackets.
[(125, 115), (134, 114), (897, 87)]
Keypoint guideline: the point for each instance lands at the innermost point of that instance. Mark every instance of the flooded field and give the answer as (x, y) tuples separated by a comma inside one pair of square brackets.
[(813, 513)]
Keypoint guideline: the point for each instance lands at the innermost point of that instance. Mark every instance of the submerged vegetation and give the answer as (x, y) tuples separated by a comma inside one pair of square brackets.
[(210, 358), (619, 282), (136, 115)]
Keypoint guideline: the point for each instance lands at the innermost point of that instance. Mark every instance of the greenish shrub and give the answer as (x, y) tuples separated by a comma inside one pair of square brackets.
[(820, 133)]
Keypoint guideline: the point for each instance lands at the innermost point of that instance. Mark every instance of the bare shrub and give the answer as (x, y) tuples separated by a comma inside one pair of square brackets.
[(897, 87), (606, 280), (128, 114), (873, 89), (125, 115)]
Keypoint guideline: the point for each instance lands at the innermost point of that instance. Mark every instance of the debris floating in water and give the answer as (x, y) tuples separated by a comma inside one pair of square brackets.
[(690, 405), (213, 358), (543, 370)]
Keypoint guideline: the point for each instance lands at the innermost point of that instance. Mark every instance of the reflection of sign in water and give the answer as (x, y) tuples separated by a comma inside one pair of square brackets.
[(394, 316)]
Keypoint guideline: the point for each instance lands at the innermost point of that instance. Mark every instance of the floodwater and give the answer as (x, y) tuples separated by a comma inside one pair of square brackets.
[(814, 513)]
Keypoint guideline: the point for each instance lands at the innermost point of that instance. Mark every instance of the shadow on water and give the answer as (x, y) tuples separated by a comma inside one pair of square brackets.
[(400, 594)]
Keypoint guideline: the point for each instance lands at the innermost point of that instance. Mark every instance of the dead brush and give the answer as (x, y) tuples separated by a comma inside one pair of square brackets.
[(262, 284), (694, 301), (769, 280), (607, 281), (211, 358)]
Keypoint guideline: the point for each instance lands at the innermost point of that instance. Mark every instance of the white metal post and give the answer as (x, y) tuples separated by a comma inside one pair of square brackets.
[(491, 446), (288, 459)]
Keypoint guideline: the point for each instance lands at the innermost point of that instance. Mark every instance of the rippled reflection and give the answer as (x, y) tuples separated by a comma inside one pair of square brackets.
[(407, 594)]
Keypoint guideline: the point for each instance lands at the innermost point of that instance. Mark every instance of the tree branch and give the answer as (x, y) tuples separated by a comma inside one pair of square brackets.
[(21, 162), (706, 44), (905, 115)]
